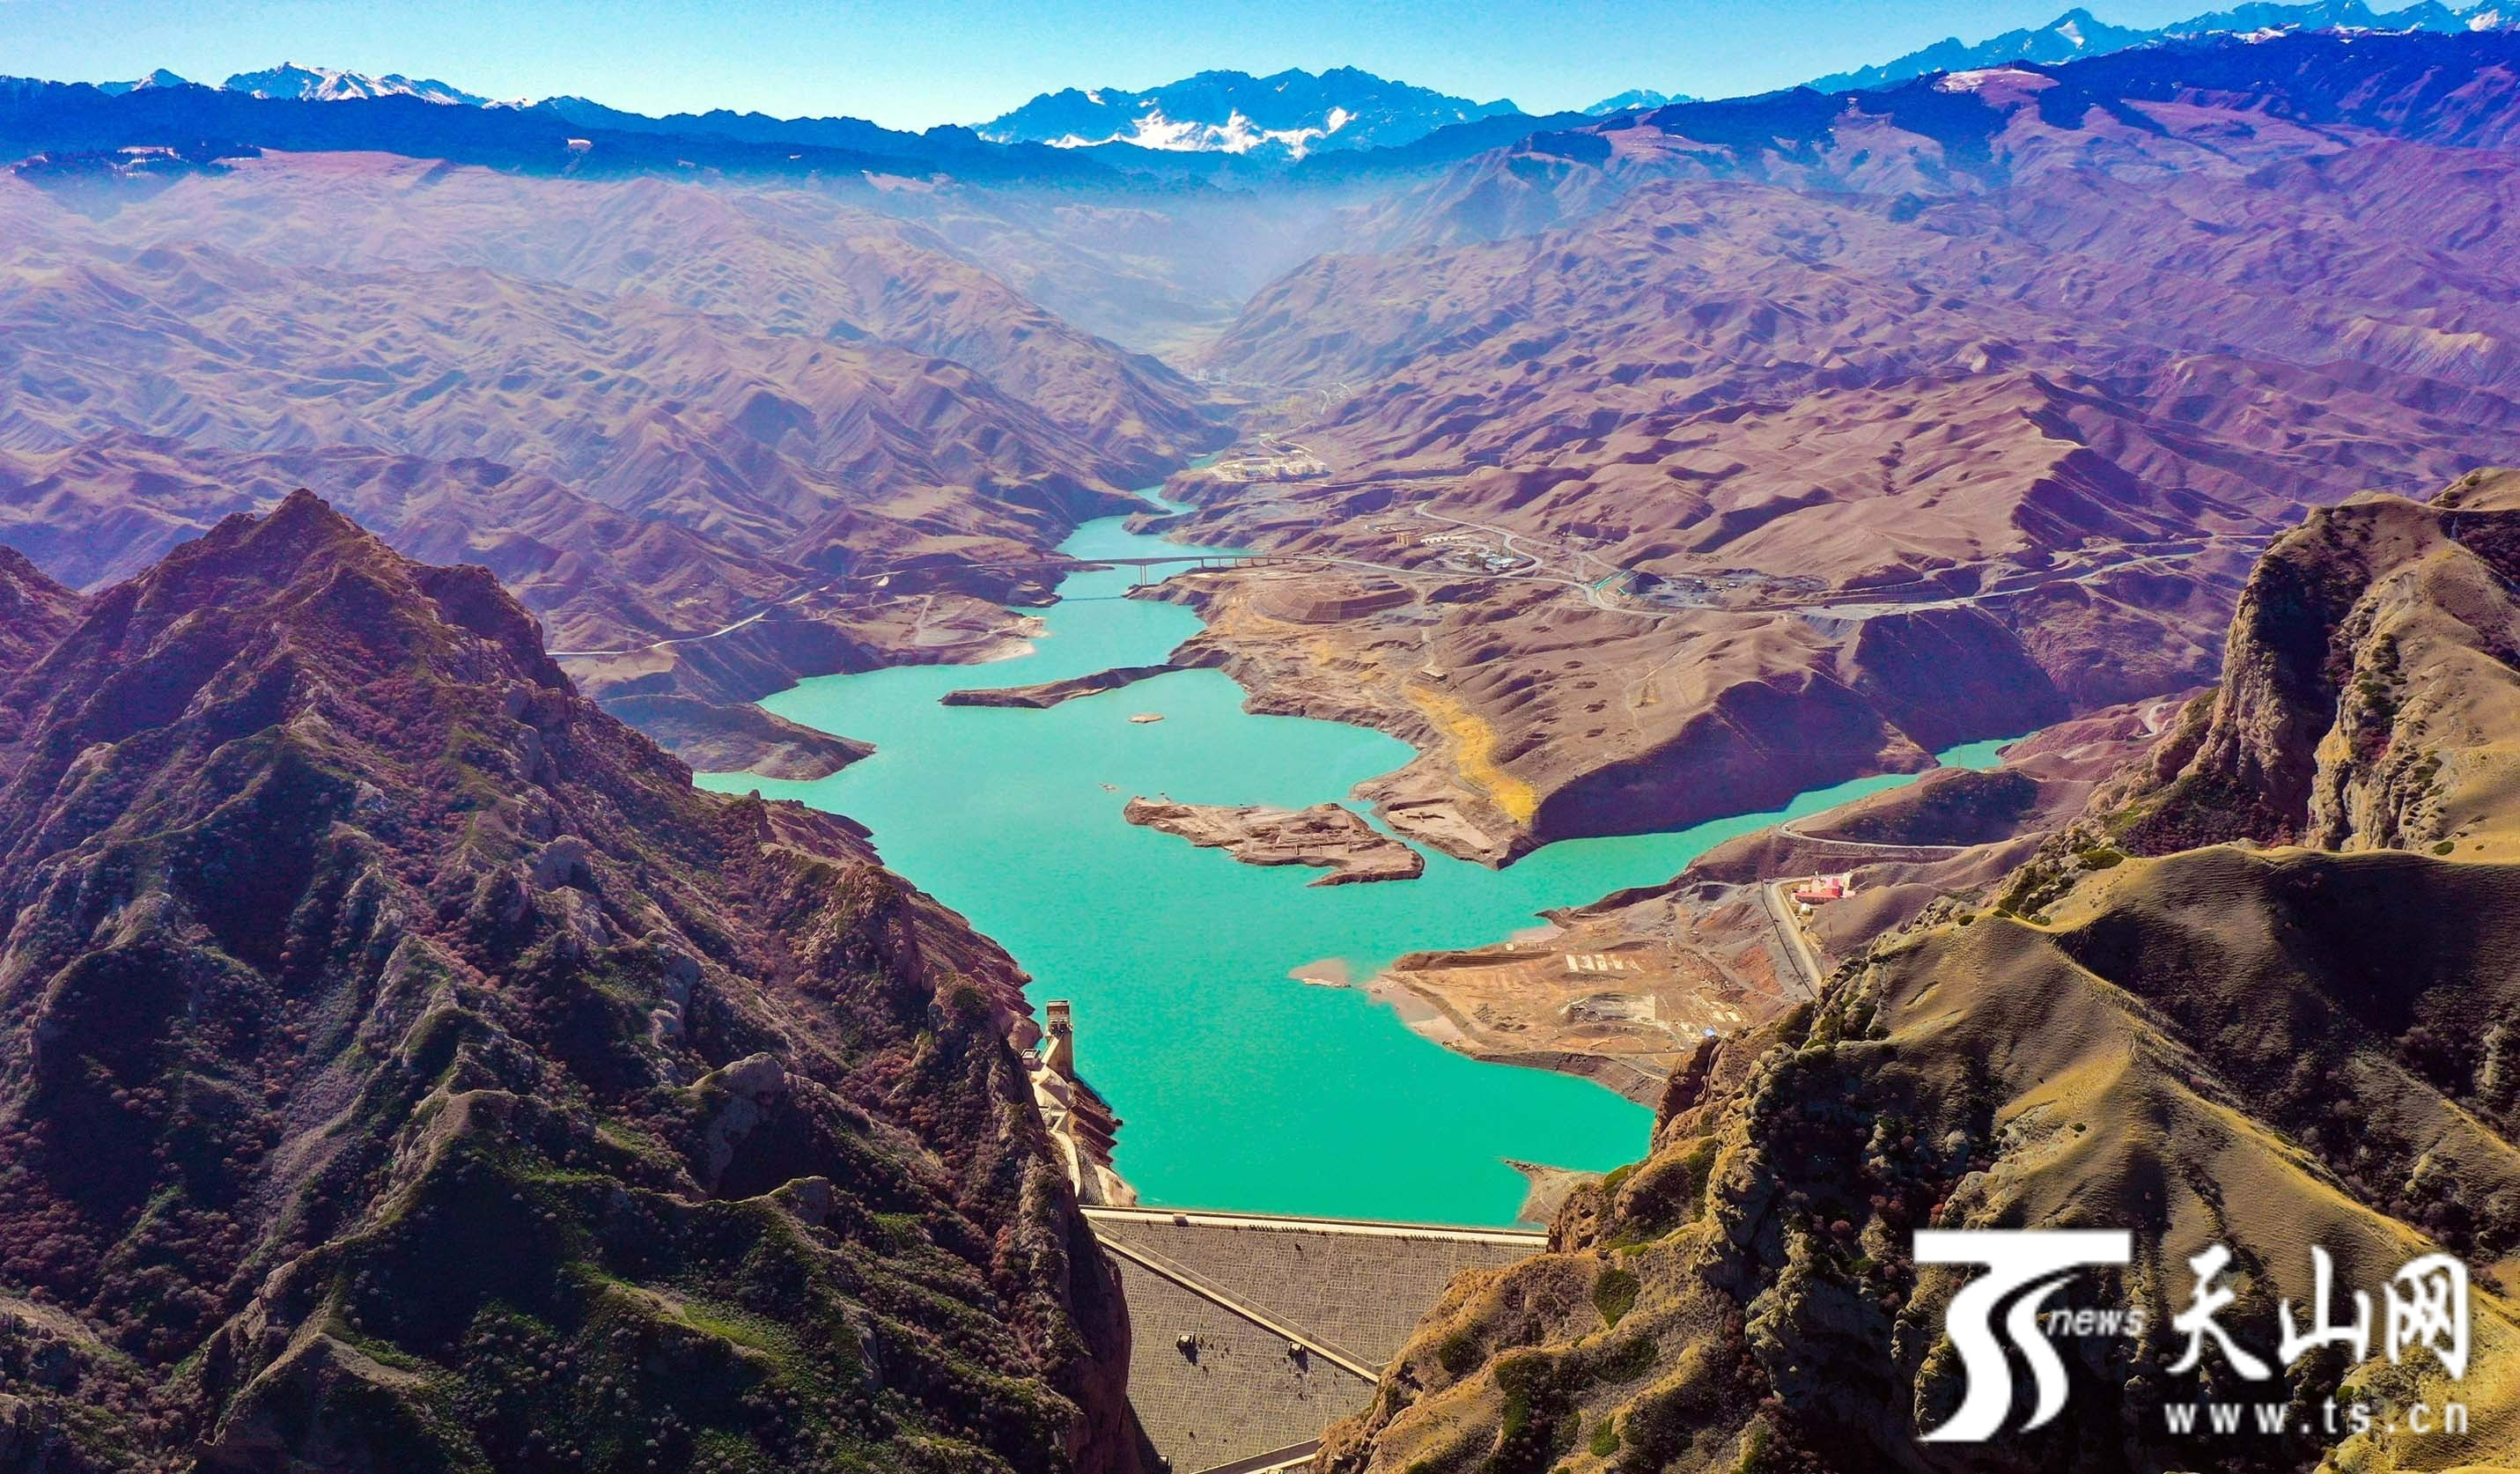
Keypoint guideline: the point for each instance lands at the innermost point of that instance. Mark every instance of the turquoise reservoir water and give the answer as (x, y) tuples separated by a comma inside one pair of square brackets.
[(1240, 1086)]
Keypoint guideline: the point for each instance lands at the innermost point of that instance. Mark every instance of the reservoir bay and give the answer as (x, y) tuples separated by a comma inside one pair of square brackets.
[(1240, 1087)]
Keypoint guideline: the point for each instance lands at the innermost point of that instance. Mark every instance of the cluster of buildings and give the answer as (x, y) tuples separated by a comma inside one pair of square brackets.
[(1820, 890)]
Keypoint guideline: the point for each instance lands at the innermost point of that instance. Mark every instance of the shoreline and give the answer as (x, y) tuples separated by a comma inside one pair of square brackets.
[(1428, 1019), (1170, 1055)]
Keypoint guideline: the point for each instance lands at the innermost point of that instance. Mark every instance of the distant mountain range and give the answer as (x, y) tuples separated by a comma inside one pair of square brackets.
[(2078, 33), (1295, 113), (1292, 113), (1249, 121), (63, 129), (317, 84)]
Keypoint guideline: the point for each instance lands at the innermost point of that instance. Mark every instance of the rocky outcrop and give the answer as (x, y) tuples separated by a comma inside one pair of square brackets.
[(1325, 834), (2365, 700), (1726, 759), (1048, 693), (403, 1067), (1950, 808), (34, 611)]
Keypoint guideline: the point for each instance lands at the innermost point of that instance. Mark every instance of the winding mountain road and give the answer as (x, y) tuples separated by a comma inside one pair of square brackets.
[(1541, 571)]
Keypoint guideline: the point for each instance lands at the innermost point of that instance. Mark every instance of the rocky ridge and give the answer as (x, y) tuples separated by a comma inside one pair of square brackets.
[(405, 1068), (34, 611)]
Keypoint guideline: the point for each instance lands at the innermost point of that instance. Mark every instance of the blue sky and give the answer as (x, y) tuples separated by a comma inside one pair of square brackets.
[(954, 61)]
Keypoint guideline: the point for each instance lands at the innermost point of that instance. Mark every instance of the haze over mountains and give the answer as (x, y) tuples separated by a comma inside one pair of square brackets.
[(799, 384), (779, 415), (1874, 461)]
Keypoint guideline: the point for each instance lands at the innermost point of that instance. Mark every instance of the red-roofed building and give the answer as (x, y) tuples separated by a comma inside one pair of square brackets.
[(1821, 889)]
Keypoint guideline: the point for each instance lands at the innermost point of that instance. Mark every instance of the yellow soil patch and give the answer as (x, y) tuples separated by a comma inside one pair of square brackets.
[(1474, 744)]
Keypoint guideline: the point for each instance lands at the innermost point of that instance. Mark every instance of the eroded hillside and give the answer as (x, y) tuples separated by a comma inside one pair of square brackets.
[(658, 410)]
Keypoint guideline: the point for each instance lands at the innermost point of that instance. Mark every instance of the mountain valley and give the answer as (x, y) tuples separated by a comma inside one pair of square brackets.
[(1867, 474)]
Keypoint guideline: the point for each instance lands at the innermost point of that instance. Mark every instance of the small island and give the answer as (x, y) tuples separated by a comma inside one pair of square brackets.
[(1048, 694), (1324, 835)]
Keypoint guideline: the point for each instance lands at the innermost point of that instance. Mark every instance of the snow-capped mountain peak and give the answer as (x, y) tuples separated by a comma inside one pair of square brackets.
[(324, 84), (161, 77), (1287, 116), (1237, 134), (2078, 33), (1635, 98)]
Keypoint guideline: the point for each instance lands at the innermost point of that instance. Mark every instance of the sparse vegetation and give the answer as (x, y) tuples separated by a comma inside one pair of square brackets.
[(1606, 1439), (1614, 1294)]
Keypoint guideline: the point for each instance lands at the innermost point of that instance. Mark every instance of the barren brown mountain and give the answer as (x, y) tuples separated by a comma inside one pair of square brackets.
[(655, 410), (407, 1068), (2270, 1049), (779, 262), (1730, 487), (770, 442)]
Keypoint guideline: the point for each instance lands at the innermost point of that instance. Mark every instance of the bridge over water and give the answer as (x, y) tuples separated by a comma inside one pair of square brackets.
[(1200, 560), (1193, 562), (1186, 561)]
